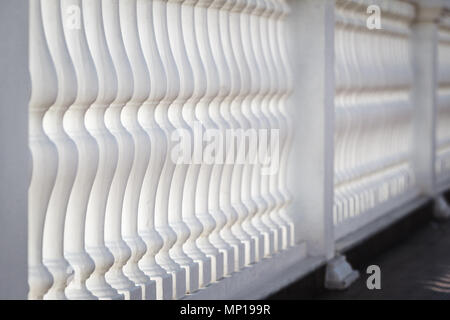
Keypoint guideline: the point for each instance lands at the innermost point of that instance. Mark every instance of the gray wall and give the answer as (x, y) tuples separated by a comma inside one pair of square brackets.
[(14, 155)]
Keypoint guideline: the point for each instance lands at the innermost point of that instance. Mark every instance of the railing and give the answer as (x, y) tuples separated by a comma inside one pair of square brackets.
[(113, 82), (374, 123), (186, 149)]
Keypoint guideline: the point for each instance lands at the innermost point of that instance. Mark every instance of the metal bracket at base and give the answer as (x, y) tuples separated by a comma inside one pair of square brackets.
[(339, 274)]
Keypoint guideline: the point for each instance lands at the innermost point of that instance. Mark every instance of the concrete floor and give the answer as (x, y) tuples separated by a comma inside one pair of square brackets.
[(417, 268)]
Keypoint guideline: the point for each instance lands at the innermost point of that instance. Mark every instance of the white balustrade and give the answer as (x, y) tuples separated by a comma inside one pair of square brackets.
[(162, 133), (373, 112)]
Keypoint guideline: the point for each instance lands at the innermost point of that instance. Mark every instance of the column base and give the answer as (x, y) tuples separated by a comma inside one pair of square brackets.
[(339, 274), (441, 208)]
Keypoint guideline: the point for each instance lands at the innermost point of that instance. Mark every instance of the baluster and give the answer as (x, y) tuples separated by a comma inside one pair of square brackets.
[(146, 117), (180, 127), (261, 181), (162, 118), (271, 51), (214, 26), (43, 152), (202, 113), (113, 215), (53, 244), (239, 128), (288, 88), (141, 92), (230, 124), (108, 153), (189, 114), (257, 123), (73, 122)]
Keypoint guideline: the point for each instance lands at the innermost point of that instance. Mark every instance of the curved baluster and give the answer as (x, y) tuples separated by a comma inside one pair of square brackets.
[(268, 29), (113, 215), (256, 125), (284, 153), (141, 92), (189, 115), (74, 232), (242, 125), (108, 153), (230, 123), (202, 113), (146, 117), (214, 26), (176, 38), (260, 179), (273, 57), (162, 118), (43, 152), (53, 244)]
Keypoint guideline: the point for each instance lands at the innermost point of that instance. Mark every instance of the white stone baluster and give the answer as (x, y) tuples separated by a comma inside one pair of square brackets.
[(74, 232), (189, 115), (287, 123), (275, 65), (53, 242), (177, 43), (214, 26), (113, 215), (242, 124), (146, 117), (255, 124), (260, 181), (43, 152), (202, 113), (141, 92), (230, 123), (162, 118), (108, 153)]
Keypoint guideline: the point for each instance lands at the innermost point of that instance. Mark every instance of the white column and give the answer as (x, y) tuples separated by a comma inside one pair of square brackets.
[(14, 26), (425, 59), (311, 30), (424, 42)]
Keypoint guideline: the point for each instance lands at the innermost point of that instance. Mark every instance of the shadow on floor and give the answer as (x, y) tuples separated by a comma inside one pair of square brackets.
[(414, 258)]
